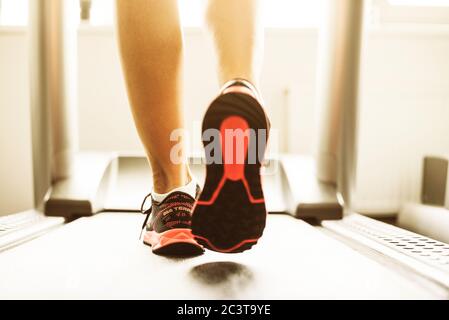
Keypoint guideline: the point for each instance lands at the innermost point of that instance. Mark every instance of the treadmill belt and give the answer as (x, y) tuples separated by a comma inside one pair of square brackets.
[(102, 257)]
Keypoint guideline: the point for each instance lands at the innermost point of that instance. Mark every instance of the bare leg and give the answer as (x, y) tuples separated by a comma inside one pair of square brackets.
[(238, 36), (150, 43)]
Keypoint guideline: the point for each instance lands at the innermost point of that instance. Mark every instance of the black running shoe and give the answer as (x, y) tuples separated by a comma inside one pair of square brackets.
[(230, 213), (168, 225)]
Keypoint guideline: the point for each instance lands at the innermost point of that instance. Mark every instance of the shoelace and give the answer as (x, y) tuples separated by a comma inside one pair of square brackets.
[(147, 212)]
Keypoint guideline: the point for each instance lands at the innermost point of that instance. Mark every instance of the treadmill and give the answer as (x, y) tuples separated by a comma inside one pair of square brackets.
[(81, 239)]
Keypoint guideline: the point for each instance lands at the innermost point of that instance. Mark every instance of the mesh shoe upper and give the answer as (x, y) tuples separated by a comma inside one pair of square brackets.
[(175, 211)]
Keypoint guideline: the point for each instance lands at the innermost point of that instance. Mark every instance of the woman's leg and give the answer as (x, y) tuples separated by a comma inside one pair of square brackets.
[(238, 36), (150, 43)]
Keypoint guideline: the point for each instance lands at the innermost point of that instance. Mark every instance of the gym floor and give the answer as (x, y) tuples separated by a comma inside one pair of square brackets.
[(102, 257)]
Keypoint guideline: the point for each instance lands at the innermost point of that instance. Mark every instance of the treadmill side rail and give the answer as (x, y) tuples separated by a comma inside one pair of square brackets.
[(21, 227), (426, 256), (118, 182), (83, 194), (312, 199)]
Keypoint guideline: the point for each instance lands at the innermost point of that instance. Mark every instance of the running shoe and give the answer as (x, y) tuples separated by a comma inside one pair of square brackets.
[(167, 225), (230, 213)]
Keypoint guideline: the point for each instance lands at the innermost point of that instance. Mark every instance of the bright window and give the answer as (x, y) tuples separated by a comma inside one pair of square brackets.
[(428, 12), (13, 12), (293, 13), (420, 3), (277, 13)]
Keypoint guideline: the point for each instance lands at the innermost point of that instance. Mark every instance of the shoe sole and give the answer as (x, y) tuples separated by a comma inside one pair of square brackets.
[(230, 214), (175, 242)]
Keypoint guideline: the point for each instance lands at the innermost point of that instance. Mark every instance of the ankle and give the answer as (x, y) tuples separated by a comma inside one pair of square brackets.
[(164, 182)]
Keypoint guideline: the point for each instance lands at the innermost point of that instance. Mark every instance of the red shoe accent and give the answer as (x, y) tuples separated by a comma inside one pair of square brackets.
[(169, 237), (233, 159), (227, 250)]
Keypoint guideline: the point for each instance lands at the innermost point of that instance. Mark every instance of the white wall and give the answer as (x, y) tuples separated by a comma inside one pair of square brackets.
[(16, 177), (404, 114), (404, 107)]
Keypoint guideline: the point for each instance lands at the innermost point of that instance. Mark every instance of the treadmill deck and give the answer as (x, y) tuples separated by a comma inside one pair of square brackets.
[(101, 257)]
